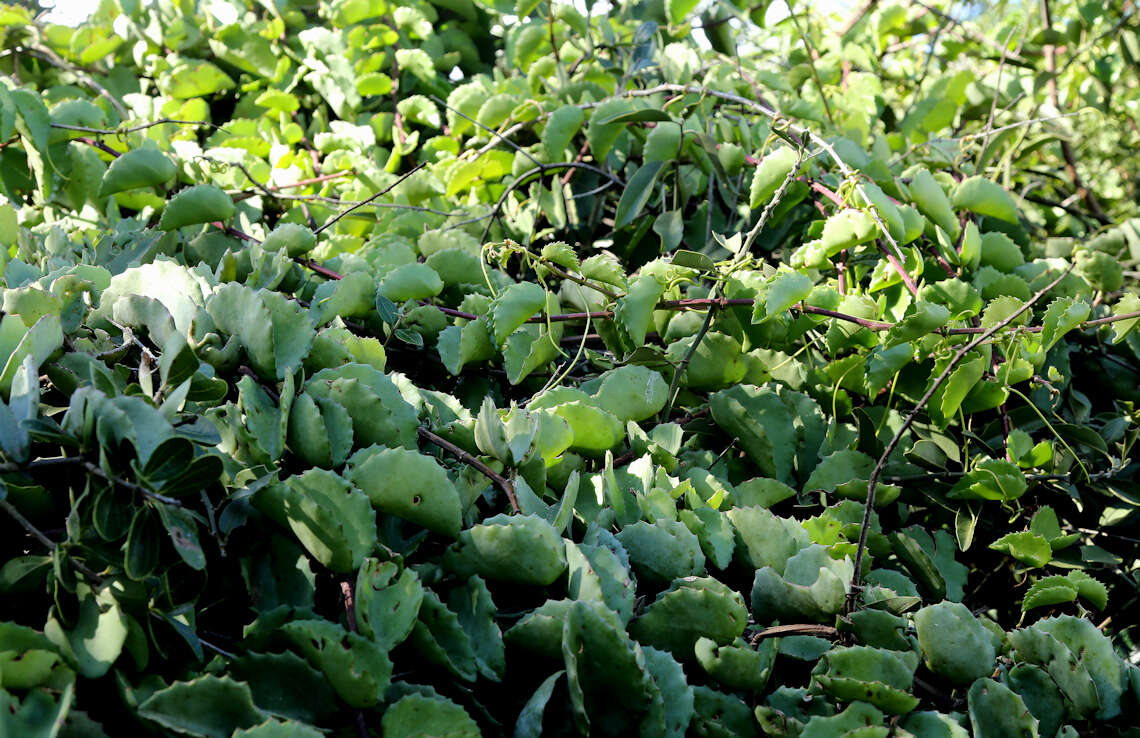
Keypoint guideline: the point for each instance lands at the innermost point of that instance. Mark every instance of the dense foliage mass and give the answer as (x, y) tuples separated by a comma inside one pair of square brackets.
[(470, 367)]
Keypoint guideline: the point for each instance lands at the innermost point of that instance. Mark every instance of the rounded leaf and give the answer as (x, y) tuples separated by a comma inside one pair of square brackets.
[(954, 644), (292, 238), (136, 168), (197, 204), (408, 485)]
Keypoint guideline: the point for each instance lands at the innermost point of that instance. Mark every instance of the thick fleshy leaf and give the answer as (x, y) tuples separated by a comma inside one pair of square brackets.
[(358, 669), (408, 485), (208, 706), (524, 549)]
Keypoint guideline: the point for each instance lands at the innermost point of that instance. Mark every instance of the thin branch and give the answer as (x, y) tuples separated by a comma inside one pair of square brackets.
[(502, 482), (873, 481), (362, 203), (48, 543), (701, 303), (99, 145), (490, 130), (541, 171), (857, 16), (323, 271), (132, 129), (47, 54), (127, 484)]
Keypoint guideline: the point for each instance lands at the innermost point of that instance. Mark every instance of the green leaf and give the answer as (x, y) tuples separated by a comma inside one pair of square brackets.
[(332, 518), (633, 312), (662, 551), (194, 79), (523, 549), (633, 392), (386, 604), (602, 132), (692, 608), (600, 572), (1063, 315), (763, 424), (207, 706), (284, 684), (878, 676), (637, 192), (419, 715), (183, 531), (1127, 304), (606, 674), (718, 361), (1049, 591), (998, 712), (962, 379), (99, 633), (475, 610), (663, 143), (932, 202), (737, 665), (994, 479), (595, 430), (785, 290), (292, 238), (197, 204), (439, 638), (408, 485), (513, 306), (561, 128), (979, 195), (358, 669), (954, 644), (1089, 588), (1028, 548), (773, 170), (921, 319), (846, 229), (813, 586), (279, 729), (529, 723), (410, 282), (380, 414), (142, 167)]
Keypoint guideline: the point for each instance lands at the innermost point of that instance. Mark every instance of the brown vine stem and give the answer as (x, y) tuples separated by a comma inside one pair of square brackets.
[(857, 16), (347, 595), (99, 145), (502, 482), (698, 303), (873, 481)]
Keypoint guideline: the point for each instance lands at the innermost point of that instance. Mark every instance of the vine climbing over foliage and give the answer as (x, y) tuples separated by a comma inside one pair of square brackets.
[(469, 367)]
